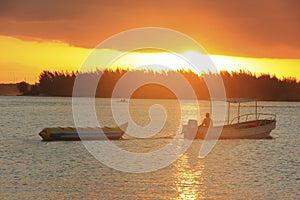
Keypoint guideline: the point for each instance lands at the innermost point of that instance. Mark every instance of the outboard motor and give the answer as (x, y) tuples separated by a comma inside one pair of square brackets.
[(191, 129)]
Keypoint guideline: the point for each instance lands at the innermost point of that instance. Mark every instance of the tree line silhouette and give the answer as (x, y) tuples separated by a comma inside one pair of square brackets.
[(27, 89), (237, 84)]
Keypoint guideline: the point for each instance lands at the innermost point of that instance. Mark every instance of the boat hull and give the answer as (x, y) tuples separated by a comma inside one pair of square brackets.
[(70, 133), (258, 129)]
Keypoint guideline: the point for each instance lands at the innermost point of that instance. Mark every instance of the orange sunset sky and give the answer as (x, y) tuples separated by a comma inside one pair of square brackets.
[(260, 36)]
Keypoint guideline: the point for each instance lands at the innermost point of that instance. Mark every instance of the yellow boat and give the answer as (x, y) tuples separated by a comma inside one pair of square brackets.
[(71, 133)]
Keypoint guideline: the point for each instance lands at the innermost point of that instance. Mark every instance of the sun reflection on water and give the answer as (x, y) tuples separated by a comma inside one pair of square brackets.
[(189, 182)]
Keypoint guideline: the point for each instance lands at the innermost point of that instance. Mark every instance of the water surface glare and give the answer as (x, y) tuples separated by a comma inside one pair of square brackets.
[(235, 169)]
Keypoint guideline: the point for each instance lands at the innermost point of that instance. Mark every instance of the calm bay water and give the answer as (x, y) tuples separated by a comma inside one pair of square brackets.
[(235, 169)]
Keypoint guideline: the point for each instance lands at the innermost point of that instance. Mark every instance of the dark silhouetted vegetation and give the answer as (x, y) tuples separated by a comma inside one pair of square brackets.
[(23, 87), (237, 84), (27, 89)]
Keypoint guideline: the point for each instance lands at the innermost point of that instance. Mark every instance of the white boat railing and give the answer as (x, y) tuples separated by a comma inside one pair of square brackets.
[(256, 116)]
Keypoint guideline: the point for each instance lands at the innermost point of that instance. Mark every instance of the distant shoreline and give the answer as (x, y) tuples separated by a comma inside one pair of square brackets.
[(9, 89), (46, 96)]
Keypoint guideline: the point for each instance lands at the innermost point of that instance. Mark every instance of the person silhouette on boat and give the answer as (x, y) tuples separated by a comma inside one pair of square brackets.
[(207, 121)]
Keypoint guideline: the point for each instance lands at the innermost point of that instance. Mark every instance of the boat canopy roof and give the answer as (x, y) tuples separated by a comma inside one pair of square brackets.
[(233, 100)]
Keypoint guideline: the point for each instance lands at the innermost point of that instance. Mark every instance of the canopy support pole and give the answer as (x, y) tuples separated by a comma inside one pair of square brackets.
[(210, 108), (239, 112), (256, 109), (228, 113)]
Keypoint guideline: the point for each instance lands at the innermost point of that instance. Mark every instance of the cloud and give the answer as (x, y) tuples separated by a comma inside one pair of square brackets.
[(39, 11), (268, 21), (258, 28)]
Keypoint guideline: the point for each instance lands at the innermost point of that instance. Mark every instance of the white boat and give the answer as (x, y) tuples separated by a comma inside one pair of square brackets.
[(249, 126)]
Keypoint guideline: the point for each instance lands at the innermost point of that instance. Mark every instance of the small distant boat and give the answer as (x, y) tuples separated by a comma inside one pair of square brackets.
[(71, 133), (259, 126), (123, 100)]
